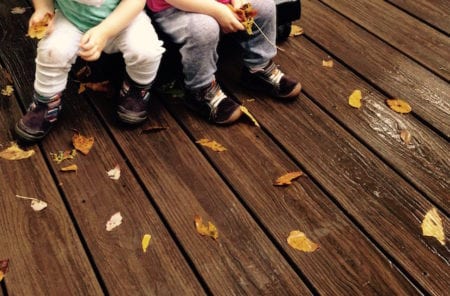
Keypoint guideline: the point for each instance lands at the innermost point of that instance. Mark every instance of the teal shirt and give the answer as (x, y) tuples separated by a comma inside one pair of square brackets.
[(83, 16)]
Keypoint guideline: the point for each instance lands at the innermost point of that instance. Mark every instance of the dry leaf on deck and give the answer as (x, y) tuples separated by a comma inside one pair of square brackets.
[(82, 143), (287, 179), (60, 156), (432, 226), (355, 99), (296, 31), (114, 173), (39, 29), (70, 168), (7, 90), (249, 115), (15, 153), (83, 74), (103, 86), (211, 144), (146, 241), (399, 105), (37, 204), (327, 63), (114, 221), (3, 268), (299, 241), (405, 135), (207, 230), (18, 10), (246, 15)]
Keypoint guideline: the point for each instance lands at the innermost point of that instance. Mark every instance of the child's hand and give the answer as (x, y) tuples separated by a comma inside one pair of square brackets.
[(228, 21), (39, 16), (92, 44)]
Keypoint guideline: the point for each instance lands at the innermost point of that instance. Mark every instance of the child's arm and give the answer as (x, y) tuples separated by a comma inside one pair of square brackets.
[(94, 41), (224, 16)]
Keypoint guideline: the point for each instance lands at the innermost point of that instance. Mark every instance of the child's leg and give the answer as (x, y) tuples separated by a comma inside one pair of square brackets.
[(142, 52)]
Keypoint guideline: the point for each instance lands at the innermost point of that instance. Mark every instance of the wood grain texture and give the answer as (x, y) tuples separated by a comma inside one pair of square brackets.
[(435, 12), (381, 202), (424, 161), (182, 184), (395, 74), (431, 47), (346, 263), (46, 255)]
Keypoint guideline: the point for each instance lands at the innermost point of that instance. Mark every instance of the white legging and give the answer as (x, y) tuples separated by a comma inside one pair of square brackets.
[(56, 53)]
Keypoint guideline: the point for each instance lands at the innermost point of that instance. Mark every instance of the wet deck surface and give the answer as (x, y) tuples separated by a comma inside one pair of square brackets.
[(362, 197)]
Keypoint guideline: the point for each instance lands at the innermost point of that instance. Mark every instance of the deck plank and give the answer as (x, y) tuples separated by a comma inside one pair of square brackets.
[(435, 12), (346, 263), (356, 179), (181, 182), (400, 30), (44, 249), (398, 76)]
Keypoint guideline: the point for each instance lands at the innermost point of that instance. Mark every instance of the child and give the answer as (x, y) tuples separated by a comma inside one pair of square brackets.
[(195, 25), (85, 28)]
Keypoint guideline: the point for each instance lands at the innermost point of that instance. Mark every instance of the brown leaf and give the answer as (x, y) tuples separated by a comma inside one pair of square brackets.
[(405, 135), (82, 143), (39, 29), (83, 73), (213, 145), (432, 226), (103, 86), (207, 230), (299, 241), (399, 105), (14, 152), (355, 99), (287, 179)]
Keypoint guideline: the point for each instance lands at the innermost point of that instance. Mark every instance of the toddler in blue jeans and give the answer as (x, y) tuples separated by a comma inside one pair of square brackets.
[(85, 28), (195, 25)]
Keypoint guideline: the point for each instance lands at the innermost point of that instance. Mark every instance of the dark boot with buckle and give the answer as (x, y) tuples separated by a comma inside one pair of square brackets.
[(41, 116), (272, 80), (212, 104), (133, 102)]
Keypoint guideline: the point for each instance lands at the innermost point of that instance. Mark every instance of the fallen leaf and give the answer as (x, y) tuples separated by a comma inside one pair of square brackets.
[(211, 144), (60, 156), (18, 10), (70, 168), (145, 242), (327, 63), (432, 226), (355, 99), (207, 230), (103, 86), (39, 29), (299, 241), (7, 90), (37, 204), (405, 135), (3, 268), (114, 221), (296, 31), (152, 129), (14, 152), (287, 179), (83, 73), (399, 105), (114, 173), (82, 143), (249, 115)]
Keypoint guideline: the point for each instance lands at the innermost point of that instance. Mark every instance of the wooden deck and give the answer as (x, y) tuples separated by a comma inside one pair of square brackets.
[(362, 198)]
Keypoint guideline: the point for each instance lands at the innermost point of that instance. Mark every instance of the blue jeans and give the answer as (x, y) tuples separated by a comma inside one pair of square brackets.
[(199, 34)]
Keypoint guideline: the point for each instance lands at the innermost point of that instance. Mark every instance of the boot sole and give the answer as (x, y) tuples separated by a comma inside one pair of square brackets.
[(27, 137)]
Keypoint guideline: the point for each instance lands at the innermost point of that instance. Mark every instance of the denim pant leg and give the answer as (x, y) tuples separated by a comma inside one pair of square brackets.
[(198, 35), (257, 50)]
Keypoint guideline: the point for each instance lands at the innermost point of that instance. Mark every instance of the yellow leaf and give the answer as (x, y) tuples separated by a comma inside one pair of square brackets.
[(145, 242), (211, 144), (1, 275), (60, 156), (82, 143), (399, 105), (299, 241), (39, 29), (70, 168), (432, 226), (327, 63), (207, 230), (296, 31), (246, 15), (355, 99), (287, 179), (249, 115), (7, 90), (15, 153)]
